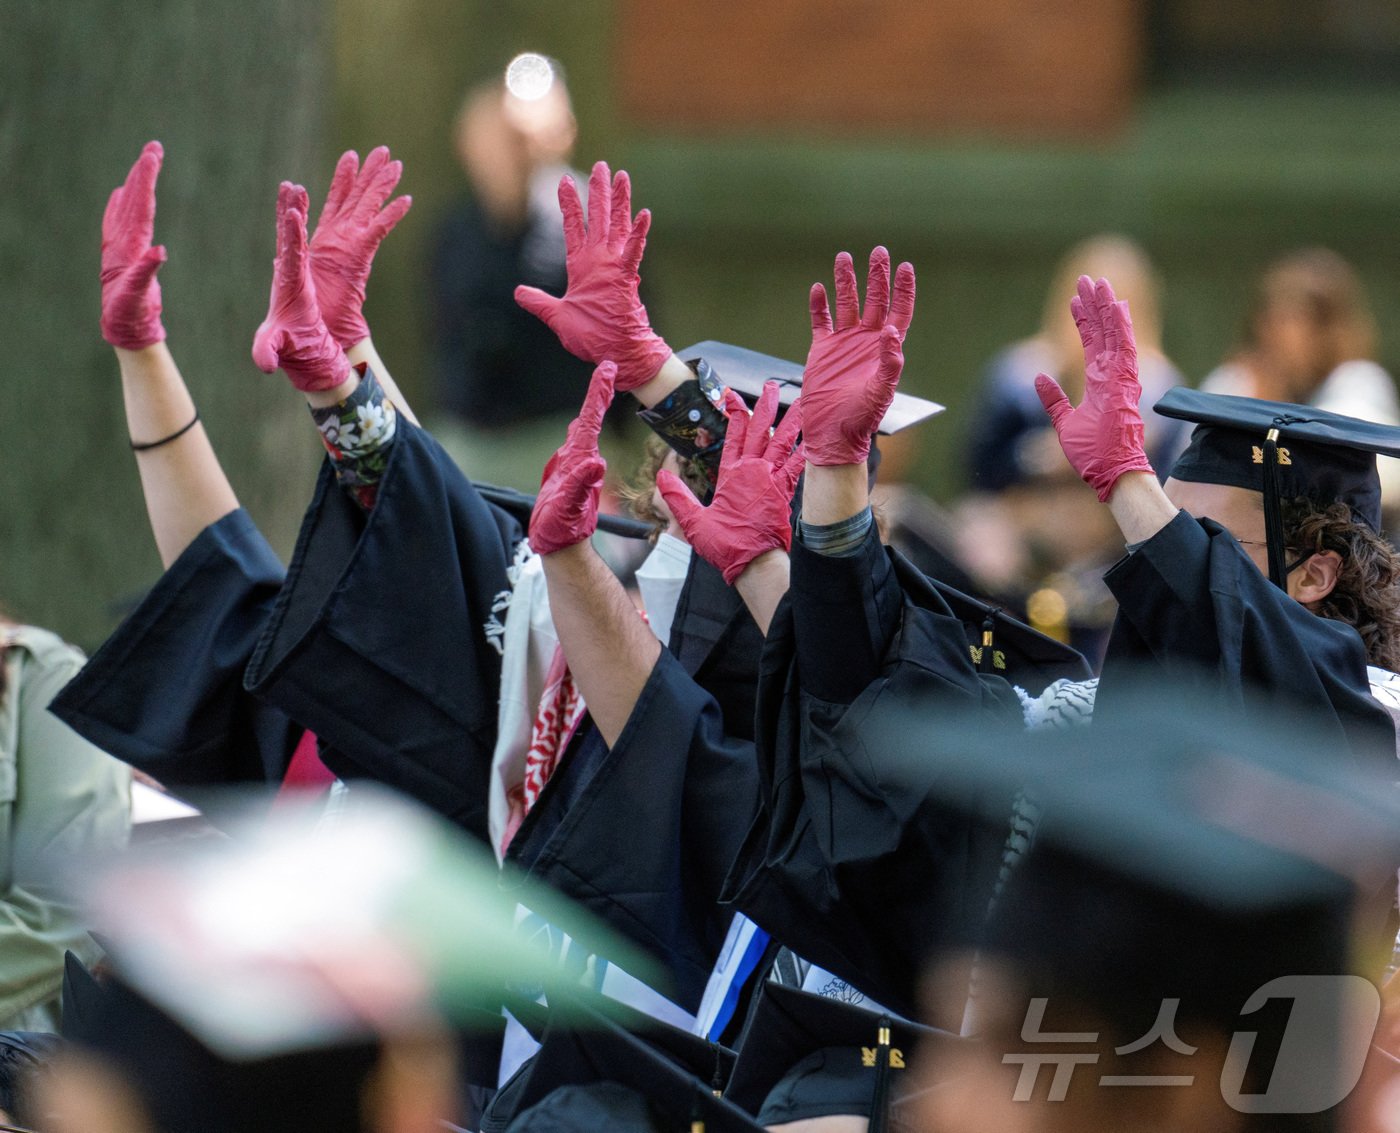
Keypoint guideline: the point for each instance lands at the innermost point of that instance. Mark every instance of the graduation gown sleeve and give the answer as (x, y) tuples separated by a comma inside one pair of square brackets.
[(165, 692), (847, 861), (384, 640), (1195, 611), (641, 834)]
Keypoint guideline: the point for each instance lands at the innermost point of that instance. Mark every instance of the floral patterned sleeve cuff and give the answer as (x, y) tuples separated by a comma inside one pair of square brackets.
[(358, 433)]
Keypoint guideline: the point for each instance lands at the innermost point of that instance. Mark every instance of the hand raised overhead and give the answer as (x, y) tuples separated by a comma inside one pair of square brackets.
[(294, 337), (566, 510), (130, 291), (1102, 438), (752, 507), (854, 363), (354, 220), (601, 314)]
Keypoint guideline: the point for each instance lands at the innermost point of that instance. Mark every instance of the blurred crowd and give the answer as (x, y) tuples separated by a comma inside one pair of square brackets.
[(727, 781)]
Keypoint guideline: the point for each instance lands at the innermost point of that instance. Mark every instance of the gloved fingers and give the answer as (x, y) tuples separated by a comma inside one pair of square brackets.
[(1053, 398), (144, 270), (393, 212), (791, 471), (571, 208), (599, 203), (785, 434), (877, 289), (821, 311), (109, 214), (1085, 309), (881, 391), (268, 344), (681, 501), (596, 402), (346, 170), (539, 303), (134, 214), (377, 187), (902, 302), (620, 222), (847, 297), (636, 242), (756, 441), (736, 432)]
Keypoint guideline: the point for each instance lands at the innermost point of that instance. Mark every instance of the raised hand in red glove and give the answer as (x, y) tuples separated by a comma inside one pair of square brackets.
[(294, 337), (854, 365), (752, 508), (1102, 438), (601, 314), (354, 220), (566, 510), (130, 292)]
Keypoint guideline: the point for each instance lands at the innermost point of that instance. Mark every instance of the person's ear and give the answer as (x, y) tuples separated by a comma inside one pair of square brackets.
[(1316, 578)]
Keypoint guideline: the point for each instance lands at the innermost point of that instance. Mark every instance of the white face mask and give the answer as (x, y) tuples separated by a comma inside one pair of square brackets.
[(660, 579)]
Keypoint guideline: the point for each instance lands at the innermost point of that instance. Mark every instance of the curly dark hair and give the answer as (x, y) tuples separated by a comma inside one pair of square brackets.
[(637, 493), (1367, 594)]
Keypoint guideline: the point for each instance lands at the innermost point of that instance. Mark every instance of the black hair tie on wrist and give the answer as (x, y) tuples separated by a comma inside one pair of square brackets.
[(180, 432)]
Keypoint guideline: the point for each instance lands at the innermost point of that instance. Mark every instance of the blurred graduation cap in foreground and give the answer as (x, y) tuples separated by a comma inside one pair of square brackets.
[(304, 929), (1183, 855), (1283, 451)]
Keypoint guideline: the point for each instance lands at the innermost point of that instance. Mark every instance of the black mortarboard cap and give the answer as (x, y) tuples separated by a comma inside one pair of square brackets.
[(1178, 854), (999, 643), (745, 371), (1284, 451), (581, 1051), (806, 1056)]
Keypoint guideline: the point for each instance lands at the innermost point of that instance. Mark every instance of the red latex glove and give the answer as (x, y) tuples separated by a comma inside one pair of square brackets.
[(853, 367), (293, 337), (566, 510), (353, 221), (752, 508), (601, 315), (130, 293), (1102, 438)]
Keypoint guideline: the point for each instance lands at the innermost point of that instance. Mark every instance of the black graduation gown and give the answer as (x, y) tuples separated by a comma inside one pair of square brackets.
[(165, 692), (848, 862), (641, 834), (1195, 614), (378, 642)]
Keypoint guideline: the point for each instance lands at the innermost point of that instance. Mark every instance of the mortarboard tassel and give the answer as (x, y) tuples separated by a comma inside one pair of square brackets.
[(989, 623), (717, 1079), (1273, 511), (879, 1102)]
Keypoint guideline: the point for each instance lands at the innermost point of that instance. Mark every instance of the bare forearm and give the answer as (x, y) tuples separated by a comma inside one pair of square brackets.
[(831, 494), (1140, 506), (762, 586), (364, 351), (184, 485), (610, 650), (672, 374)]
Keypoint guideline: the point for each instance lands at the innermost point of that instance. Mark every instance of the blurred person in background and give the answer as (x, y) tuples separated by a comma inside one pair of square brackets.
[(59, 797), (1310, 337), (1030, 534), (507, 388)]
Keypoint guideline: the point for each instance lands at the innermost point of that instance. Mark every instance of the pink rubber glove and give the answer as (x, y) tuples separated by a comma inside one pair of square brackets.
[(853, 367), (1102, 439), (566, 510), (601, 315), (130, 292), (354, 220), (293, 337), (752, 508)]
